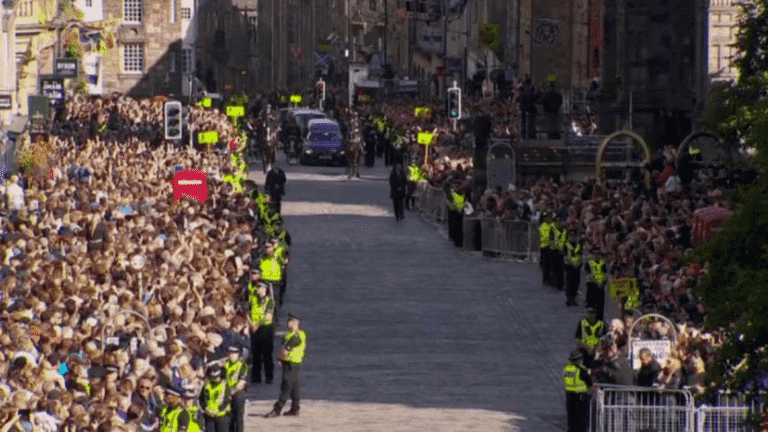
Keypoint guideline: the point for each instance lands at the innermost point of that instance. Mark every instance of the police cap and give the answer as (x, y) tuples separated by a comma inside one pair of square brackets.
[(576, 355), (190, 393), (234, 348), (591, 310), (172, 391), (293, 317), (214, 371)]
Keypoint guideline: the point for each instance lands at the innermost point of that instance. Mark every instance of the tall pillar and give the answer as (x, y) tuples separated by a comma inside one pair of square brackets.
[(526, 38)]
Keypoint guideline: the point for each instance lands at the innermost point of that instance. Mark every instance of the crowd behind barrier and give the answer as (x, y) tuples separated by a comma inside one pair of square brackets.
[(626, 408), (68, 240)]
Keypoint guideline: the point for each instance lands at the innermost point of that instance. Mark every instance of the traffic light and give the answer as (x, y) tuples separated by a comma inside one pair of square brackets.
[(173, 119), (454, 103)]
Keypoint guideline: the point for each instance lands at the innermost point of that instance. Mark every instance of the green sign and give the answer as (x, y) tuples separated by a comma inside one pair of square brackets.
[(210, 137), (296, 98), (422, 112), (425, 138), (205, 103), (235, 111)]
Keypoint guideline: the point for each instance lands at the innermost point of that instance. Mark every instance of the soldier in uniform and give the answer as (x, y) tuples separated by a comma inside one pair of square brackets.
[(291, 358)]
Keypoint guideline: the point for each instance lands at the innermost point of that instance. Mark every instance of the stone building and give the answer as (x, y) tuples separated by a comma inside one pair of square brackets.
[(723, 27)]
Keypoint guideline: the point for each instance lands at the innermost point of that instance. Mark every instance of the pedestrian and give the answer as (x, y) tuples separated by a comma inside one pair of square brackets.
[(559, 238), (596, 282), (291, 358), (414, 175), (216, 401), (528, 109), (588, 334), (275, 185), (189, 418), (456, 203), (577, 386), (397, 184), (262, 312), (572, 263), (370, 145), (236, 373), (553, 102), (271, 267), (546, 244), (170, 411)]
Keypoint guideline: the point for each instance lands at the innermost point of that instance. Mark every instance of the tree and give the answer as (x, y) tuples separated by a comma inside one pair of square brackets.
[(734, 291)]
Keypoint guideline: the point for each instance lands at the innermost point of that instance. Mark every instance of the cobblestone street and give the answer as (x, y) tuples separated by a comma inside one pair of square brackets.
[(405, 332)]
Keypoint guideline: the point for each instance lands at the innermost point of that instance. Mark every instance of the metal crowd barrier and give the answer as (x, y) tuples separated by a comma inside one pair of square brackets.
[(641, 409), (432, 204), (515, 238), (730, 414)]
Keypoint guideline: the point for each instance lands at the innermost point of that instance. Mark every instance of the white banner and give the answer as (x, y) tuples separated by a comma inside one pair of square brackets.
[(660, 349)]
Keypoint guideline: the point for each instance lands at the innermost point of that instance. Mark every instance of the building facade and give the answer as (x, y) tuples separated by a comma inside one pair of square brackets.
[(723, 28)]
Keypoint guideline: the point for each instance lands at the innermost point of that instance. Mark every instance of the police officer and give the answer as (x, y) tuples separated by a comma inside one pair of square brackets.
[(545, 249), (456, 203), (262, 312), (170, 411), (572, 263), (236, 373), (577, 386), (596, 282), (216, 401), (414, 175), (189, 418), (560, 236), (588, 334), (291, 357), (271, 267)]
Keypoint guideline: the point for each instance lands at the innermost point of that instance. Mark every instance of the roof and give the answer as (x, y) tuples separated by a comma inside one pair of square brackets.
[(322, 121)]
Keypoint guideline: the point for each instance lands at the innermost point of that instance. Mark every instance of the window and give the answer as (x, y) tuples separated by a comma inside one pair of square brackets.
[(172, 62), (132, 11), (173, 11), (186, 13), (88, 3), (714, 58), (133, 58), (253, 25), (186, 60)]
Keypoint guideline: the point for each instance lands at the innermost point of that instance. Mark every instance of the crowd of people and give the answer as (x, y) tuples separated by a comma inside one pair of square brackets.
[(96, 232)]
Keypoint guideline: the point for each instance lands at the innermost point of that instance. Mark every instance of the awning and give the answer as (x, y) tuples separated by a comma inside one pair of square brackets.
[(18, 125)]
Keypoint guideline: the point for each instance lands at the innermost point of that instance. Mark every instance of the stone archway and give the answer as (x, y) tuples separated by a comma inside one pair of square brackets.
[(604, 144), (708, 153)]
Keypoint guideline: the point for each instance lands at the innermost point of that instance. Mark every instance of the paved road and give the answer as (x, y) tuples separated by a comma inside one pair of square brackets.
[(405, 332)]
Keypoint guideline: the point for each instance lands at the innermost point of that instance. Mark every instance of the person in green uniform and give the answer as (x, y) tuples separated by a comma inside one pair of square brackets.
[(596, 271), (291, 358), (190, 418), (573, 249), (236, 373), (588, 335), (545, 249), (456, 203), (170, 410), (577, 386), (262, 312), (560, 237), (271, 268), (216, 401)]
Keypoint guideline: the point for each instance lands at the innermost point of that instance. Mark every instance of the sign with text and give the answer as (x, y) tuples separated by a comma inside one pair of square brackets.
[(659, 348), (425, 138), (204, 102), (5, 102), (53, 88), (191, 183), (296, 98), (210, 137), (622, 287), (422, 112), (235, 111), (39, 108), (65, 67)]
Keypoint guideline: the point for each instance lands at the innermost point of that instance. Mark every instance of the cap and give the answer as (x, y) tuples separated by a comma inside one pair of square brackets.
[(576, 355), (591, 310), (111, 368), (294, 317), (214, 371), (172, 391), (234, 348), (190, 393), (595, 251)]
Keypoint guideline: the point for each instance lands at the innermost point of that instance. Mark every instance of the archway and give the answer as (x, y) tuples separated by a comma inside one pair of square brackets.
[(704, 146), (636, 139)]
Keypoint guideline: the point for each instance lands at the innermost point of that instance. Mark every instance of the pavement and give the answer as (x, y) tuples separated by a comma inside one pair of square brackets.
[(406, 332)]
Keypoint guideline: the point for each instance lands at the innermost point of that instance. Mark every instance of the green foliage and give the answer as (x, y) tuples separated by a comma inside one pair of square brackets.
[(734, 291)]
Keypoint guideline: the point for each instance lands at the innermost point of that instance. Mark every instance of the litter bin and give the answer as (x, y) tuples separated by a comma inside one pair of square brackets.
[(473, 239)]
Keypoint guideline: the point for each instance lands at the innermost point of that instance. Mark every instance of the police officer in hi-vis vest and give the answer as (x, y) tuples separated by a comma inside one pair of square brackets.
[(596, 278), (577, 386), (170, 411), (271, 266), (291, 357), (216, 401), (262, 313), (189, 418), (588, 335), (236, 373), (456, 203), (545, 249), (573, 248), (559, 238)]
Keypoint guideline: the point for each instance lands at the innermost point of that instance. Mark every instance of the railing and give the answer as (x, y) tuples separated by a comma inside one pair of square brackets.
[(624, 409), (510, 238)]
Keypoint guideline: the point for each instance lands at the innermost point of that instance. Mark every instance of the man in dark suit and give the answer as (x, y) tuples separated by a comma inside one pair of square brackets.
[(275, 185)]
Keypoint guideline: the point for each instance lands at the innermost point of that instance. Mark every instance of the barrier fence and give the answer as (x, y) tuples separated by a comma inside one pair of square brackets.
[(518, 239), (641, 409)]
